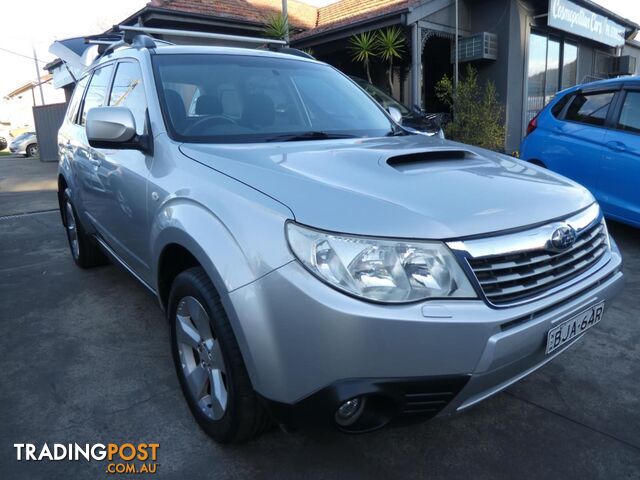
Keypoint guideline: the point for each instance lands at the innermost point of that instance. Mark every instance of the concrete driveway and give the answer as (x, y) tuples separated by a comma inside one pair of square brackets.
[(84, 357)]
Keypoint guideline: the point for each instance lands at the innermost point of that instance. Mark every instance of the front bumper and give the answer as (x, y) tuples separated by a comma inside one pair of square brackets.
[(309, 348), (19, 150)]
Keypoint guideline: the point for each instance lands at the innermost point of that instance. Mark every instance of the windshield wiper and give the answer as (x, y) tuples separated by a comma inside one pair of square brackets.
[(312, 135)]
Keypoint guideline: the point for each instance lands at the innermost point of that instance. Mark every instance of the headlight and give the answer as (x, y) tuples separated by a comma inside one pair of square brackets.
[(392, 271)]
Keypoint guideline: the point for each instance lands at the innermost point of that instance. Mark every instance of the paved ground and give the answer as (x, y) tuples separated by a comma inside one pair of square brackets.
[(26, 185), (84, 357)]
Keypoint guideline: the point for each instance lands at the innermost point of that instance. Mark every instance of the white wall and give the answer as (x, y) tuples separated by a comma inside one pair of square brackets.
[(17, 110)]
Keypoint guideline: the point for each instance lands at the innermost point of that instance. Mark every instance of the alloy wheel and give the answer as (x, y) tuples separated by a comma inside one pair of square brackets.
[(72, 231), (201, 359)]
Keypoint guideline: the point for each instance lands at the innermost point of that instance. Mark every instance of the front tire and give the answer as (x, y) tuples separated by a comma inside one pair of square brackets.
[(84, 250), (32, 150), (209, 364)]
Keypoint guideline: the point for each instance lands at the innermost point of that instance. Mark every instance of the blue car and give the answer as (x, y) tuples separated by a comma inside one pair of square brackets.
[(591, 134)]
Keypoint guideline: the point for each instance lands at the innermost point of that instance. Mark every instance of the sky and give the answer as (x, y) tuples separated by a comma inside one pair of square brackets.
[(35, 24)]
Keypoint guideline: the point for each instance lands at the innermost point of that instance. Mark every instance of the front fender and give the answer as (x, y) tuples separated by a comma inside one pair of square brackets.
[(230, 262), (192, 226)]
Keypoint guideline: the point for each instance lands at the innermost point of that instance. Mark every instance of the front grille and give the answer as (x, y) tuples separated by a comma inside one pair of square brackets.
[(514, 277)]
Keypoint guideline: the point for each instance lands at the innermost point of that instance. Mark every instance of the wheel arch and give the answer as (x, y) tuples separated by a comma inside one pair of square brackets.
[(184, 231), (183, 252)]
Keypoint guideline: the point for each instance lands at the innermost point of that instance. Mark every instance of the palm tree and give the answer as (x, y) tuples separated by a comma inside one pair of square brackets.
[(276, 27), (363, 47), (389, 44)]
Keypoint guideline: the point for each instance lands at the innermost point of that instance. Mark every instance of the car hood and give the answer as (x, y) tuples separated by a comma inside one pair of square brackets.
[(448, 190)]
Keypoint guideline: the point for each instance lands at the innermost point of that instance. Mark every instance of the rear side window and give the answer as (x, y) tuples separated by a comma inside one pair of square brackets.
[(74, 105), (630, 113), (590, 108), (128, 91), (96, 91), (556, 110)]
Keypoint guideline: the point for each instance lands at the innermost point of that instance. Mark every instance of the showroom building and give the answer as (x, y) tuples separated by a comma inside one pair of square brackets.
[(530, 49)]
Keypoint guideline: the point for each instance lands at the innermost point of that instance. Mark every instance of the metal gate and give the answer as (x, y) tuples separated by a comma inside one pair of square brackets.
[(48, 119)]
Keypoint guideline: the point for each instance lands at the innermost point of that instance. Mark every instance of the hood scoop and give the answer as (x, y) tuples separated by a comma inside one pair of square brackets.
[(417, 161)]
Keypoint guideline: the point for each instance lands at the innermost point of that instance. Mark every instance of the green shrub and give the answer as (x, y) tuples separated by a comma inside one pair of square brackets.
[(477, 115), (276, 27)]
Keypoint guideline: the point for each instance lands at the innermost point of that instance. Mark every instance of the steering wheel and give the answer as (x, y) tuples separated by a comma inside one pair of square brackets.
[(209, 121)]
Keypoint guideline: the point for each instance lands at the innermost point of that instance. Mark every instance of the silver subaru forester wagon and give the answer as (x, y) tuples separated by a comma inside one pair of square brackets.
[(318, 263)]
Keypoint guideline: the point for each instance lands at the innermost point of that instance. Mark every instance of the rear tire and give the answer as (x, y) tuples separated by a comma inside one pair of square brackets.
[(84, 249), (212, 373)]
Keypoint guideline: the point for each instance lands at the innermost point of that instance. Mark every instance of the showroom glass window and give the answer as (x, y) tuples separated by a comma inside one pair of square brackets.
[(552, 67)]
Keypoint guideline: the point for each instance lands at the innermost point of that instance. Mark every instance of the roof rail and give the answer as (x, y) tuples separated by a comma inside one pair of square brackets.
[(195, 34), (297, 52)]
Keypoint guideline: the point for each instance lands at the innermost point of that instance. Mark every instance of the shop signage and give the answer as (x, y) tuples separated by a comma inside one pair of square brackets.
[(570, 17)]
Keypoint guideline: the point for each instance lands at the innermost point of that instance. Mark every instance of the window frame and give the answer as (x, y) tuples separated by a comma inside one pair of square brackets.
[(73, 116), (572, 43), (108, 86), (564, 39), (613, 106), (176, 136), (594, 60), (135, 61), (566, 100), (622, 96)]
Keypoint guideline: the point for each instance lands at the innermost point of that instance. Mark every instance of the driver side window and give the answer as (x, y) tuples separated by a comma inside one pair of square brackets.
[(128, 91), (96, 92)]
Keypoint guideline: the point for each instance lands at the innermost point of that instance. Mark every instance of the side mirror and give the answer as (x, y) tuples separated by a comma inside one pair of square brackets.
[(113, 127), (395, 115)]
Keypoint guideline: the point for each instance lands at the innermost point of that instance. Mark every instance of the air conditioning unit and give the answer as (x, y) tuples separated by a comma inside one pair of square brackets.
[(479, 46), (624, 65)]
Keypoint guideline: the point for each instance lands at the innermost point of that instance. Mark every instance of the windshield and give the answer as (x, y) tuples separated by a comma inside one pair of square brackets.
[(24, 135), (382, 98), (219, 98)]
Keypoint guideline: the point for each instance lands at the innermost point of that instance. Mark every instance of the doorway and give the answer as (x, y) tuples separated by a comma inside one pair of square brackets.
[(436, 63)]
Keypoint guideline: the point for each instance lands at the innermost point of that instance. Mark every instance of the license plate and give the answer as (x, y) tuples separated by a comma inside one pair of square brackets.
[(573, 327)]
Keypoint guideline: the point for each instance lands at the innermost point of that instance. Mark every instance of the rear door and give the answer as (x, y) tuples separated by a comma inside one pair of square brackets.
[(71, 134), (576, 142), (620, 174)]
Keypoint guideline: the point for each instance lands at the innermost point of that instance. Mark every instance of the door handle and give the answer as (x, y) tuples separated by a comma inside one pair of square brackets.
[(94, 161), (617, 146)]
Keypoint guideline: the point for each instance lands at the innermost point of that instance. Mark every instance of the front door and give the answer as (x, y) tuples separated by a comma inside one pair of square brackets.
[(576, 143), (121, 215), (91, 192), (620, 173)]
